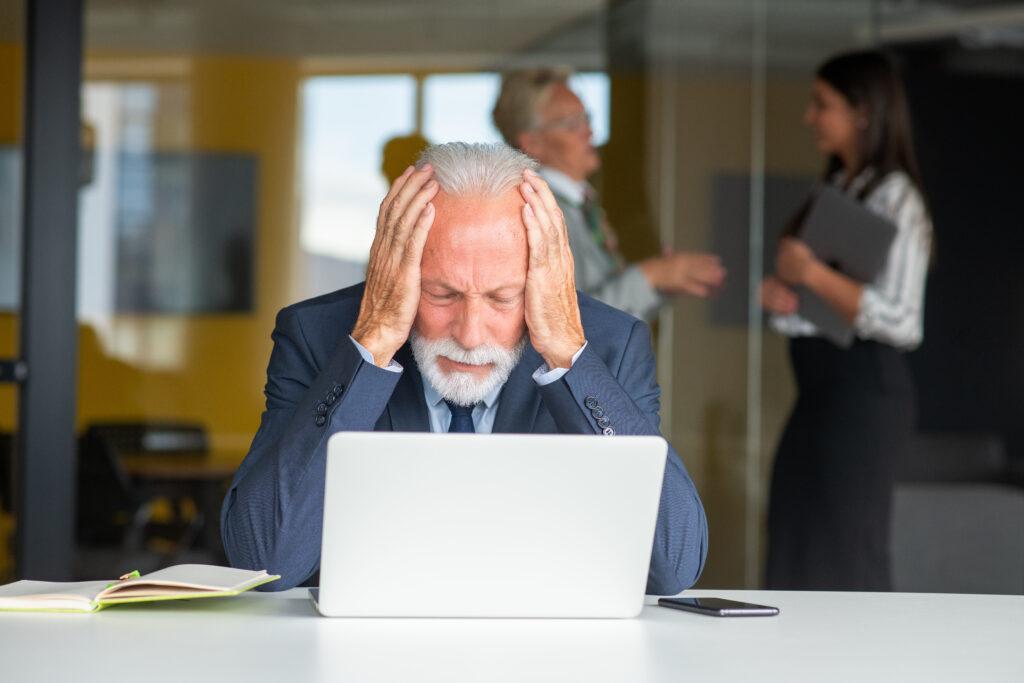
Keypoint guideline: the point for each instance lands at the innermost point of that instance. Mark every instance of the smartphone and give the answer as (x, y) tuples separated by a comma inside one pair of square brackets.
[(719, 607)]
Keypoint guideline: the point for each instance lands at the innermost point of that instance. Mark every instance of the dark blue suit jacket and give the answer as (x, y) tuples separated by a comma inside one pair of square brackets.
[(318, 384)]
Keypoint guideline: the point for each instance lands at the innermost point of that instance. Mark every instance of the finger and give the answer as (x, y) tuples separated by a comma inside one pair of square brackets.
[(414, 182), (714, 276), (537, 209), (783, 306), (698, 289), (397, 185), (406, 223), (707, 266), (393, 191), (393, 231), (418, 238), (550, 244), (781, 299), (543, 194), (535, 239)]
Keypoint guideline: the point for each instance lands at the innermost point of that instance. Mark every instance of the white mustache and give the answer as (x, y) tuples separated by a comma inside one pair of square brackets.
[(464, 388), (485, 354)]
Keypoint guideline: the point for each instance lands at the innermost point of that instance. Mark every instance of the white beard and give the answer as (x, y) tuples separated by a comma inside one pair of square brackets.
[(463, 388)]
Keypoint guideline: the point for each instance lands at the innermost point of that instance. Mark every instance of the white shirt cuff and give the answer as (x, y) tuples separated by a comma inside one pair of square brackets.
[(394, 366), (544, 376)]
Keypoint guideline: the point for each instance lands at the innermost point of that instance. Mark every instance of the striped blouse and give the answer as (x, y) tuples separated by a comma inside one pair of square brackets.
[(892, 307)]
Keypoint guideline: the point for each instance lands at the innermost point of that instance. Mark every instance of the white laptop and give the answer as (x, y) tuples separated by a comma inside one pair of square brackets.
[(488, 525)]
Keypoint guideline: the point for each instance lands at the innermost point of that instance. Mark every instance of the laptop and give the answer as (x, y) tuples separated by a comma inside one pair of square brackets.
[(852, 239), (488, 525)]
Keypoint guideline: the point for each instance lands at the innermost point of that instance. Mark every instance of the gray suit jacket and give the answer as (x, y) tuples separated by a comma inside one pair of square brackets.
[(318, 384), (598, 275)]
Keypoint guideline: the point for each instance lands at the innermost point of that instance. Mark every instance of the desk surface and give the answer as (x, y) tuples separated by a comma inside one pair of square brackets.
[(279, 637)]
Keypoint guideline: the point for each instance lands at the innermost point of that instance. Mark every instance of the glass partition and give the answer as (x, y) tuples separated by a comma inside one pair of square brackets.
[(234, 172), (233, 165), (12, 57)]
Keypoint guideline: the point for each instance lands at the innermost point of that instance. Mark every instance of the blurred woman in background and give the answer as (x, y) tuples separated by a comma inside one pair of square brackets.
[(831, 489)]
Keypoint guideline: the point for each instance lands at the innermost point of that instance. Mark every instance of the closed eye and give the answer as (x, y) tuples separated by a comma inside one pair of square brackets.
[(442, 296), (504, 301)]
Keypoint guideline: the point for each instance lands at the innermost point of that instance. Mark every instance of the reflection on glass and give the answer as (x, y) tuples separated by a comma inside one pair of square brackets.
[(167, 232)]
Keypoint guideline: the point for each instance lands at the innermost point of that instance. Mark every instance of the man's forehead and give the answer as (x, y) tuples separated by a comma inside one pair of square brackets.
[(474, 213), (476, 240), (562, 98)]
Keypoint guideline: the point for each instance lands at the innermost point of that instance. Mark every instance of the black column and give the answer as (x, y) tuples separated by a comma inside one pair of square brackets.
[(46, 434)]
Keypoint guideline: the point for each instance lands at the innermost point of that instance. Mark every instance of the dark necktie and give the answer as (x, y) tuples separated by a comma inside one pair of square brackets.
[(462, 418), (593, 214)]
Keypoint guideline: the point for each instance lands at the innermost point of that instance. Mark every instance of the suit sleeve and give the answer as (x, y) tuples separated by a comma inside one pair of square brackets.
[(272, 514), (628, 402)]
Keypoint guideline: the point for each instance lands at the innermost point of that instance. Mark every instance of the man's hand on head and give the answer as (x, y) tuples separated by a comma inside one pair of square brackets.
[(392, 292), (552, 309)]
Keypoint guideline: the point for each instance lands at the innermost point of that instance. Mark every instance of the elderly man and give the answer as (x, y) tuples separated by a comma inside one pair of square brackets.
[(538, 113), (468, 321)]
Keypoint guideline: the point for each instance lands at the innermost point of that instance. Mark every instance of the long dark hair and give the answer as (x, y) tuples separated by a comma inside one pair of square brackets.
[(869, 82)]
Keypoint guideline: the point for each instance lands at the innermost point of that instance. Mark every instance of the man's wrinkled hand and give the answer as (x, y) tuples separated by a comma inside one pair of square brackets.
[(392, 291), (552, 309)]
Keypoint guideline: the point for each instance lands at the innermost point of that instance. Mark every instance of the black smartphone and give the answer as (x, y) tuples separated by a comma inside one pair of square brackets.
[(719, 607)]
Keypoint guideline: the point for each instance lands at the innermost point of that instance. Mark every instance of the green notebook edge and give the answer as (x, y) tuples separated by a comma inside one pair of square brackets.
[(97, 606)]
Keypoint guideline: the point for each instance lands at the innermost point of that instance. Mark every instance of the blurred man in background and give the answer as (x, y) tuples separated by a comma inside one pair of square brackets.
[(538, 113)]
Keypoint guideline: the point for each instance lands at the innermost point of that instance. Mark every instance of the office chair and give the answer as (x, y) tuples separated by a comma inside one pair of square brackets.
[(114, 508)]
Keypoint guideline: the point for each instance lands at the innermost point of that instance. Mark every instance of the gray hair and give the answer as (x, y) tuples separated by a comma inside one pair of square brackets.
[(523, 93), (465, 169)]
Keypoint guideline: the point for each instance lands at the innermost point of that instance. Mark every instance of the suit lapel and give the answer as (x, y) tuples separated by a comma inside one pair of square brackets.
[(520, 400), (407, 407)]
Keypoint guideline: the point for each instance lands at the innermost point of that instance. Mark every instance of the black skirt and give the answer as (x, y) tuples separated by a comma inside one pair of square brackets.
[(831, 490)]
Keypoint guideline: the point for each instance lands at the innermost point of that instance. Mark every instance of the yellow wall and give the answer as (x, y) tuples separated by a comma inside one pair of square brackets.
[(235, 105), (11, 76)]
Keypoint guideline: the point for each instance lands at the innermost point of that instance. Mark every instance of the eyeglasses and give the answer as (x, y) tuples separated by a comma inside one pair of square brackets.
[(571, 123)]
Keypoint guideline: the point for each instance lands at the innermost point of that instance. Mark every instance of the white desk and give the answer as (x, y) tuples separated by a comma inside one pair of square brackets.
[(279, 637)]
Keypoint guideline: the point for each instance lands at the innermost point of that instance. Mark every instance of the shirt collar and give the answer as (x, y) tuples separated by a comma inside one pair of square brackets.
[(561, 184), (433, 398)]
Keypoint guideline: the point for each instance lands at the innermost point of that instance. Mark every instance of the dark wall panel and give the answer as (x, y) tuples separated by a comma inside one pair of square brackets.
[(970, 143)]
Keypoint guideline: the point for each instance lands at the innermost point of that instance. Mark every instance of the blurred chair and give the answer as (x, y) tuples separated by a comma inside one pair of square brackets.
[(116, 508), (957, 518)]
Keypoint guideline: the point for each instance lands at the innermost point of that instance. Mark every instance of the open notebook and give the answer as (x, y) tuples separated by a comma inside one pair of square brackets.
[(183, 581)]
